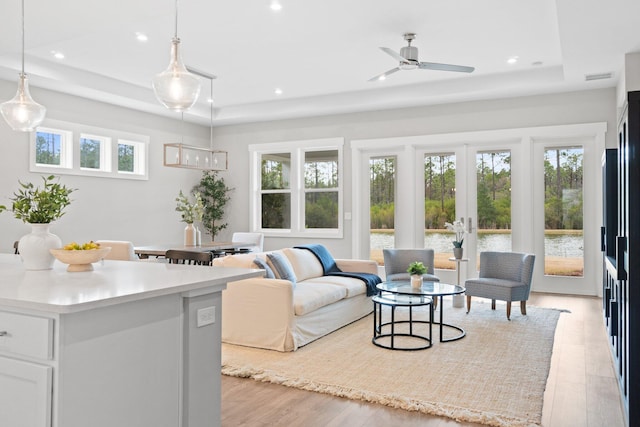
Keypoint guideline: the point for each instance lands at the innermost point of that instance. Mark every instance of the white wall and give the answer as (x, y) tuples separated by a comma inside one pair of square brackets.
[(102, 208), (543, 110), (143, 211)]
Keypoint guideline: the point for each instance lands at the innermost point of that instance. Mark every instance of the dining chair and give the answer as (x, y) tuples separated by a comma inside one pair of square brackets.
[(174, 256), (396, 263), (504, 276), (257, 240), (120, 250)]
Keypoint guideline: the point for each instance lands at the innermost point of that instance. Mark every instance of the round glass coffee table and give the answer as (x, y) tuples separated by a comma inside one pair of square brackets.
[(388, 340), (431, 289)]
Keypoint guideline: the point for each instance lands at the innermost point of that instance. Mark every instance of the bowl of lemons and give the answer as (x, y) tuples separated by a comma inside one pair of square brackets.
[(80, 256)]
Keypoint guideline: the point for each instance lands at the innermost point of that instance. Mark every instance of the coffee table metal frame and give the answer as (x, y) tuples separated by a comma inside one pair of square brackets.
[(397, 300), (431, 289)]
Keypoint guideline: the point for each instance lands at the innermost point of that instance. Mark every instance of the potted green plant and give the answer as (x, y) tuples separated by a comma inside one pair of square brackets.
[(39, 207), (190, 212), (215, 195), (416, 270)]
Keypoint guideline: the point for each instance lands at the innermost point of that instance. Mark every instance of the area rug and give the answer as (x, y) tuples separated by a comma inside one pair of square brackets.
[(495, 375)]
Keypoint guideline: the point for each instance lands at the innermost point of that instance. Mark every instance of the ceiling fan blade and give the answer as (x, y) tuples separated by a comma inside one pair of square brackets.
[(383, 75), (445, 67), (394, 54)]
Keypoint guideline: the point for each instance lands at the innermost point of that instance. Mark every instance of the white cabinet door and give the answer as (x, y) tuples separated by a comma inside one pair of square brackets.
[(25, 394)]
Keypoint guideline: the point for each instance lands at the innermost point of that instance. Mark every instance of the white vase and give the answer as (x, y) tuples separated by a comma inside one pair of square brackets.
[(198, 237), (34, 248), (189, 235), (416, 281)]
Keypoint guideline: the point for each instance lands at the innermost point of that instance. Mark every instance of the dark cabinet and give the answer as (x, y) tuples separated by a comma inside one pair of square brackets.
[(621, 254)]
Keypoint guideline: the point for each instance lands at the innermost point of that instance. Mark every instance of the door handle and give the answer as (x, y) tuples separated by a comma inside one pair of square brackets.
[(469, 226)]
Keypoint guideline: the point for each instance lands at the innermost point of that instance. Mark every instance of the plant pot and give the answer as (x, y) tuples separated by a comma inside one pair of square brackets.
[(457, 253), (189, 235), (34, 248), (416, 281)]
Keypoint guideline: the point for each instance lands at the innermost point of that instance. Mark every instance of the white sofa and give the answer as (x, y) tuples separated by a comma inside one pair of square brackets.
[(281, 315)]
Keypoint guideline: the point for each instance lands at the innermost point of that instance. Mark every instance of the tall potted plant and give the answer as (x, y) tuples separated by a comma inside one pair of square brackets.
[(39, 207), (215, 195)]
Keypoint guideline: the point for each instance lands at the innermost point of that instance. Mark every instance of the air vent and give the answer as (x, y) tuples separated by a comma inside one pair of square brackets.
[(601, 76)]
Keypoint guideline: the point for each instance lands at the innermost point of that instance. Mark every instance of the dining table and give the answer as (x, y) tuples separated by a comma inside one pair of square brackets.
[(160, 250)]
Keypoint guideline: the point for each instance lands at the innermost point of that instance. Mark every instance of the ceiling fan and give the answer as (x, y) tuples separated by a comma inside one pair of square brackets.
[(408, 59)]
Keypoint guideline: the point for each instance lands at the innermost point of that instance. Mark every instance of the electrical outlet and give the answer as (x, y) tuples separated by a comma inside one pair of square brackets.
[(206, 316)]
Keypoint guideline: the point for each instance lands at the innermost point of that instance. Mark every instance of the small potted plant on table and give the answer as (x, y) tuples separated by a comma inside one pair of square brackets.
[(416, 270)]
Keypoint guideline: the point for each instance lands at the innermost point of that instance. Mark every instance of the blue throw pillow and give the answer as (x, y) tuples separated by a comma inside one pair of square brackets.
[(281, 267), (260, 263)]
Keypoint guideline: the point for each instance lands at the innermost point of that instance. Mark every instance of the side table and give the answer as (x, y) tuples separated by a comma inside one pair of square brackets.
[(458, 300), (393, 301)]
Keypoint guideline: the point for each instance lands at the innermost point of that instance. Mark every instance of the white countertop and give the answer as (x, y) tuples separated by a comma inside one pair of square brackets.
[(111, 282)]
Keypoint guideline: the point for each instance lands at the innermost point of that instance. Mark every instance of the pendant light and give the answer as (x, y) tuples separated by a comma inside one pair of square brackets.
[(176, 88), (181, 155), (22, 113)]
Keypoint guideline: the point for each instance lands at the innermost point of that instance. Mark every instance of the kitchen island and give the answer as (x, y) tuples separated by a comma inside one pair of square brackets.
[(128, 344)]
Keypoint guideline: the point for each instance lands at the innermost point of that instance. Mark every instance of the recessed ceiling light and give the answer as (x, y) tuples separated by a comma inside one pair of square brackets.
[(57, 55), (141, 37), (278, 91), (210, 100), (275, 5), (381, 78), (512, 60)]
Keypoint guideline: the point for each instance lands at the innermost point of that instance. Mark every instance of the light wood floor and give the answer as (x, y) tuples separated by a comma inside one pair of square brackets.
[(582, 389)]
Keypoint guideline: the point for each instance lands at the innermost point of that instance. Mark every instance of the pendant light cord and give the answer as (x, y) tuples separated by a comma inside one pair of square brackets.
[(176, 23), (22, 73), (211, 118)]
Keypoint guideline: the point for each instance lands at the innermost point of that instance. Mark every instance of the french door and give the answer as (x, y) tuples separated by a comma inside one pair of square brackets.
[(511, 190)]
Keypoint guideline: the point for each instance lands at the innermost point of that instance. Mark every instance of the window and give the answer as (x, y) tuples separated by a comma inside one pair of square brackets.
[(94, 152), (563, 211), (75, 149), (53, 148), (298, 188), (321, 189), (131, 157)]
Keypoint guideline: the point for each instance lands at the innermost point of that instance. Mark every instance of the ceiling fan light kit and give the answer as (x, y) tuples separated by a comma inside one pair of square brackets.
[(176, 88), (21, 112), (408, 60)]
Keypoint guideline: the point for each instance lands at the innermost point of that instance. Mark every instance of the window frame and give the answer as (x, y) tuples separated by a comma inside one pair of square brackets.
[(105, 150), (72, 134), (66, 149), (297, 151)]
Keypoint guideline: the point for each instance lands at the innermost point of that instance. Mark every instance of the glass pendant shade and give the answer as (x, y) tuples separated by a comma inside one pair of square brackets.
[(176, 88), (22, 113)]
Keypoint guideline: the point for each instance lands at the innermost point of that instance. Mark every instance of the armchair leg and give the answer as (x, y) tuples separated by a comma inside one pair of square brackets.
[(493, 304), (523, 308), (468, 303), (508, 310)]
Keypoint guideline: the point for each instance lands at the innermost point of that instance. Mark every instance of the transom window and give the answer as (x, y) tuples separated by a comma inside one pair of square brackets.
[(74, 149), (298, 188)]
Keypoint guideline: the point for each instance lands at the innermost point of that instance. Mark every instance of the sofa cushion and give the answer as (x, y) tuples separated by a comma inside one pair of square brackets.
[(309, 297), (304, 263), (268, 272), (352, 285), (281, 267), (239, 261)]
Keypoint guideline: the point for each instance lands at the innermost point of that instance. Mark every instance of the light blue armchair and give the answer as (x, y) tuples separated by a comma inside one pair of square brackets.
[(504, 276), (396, 263)]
